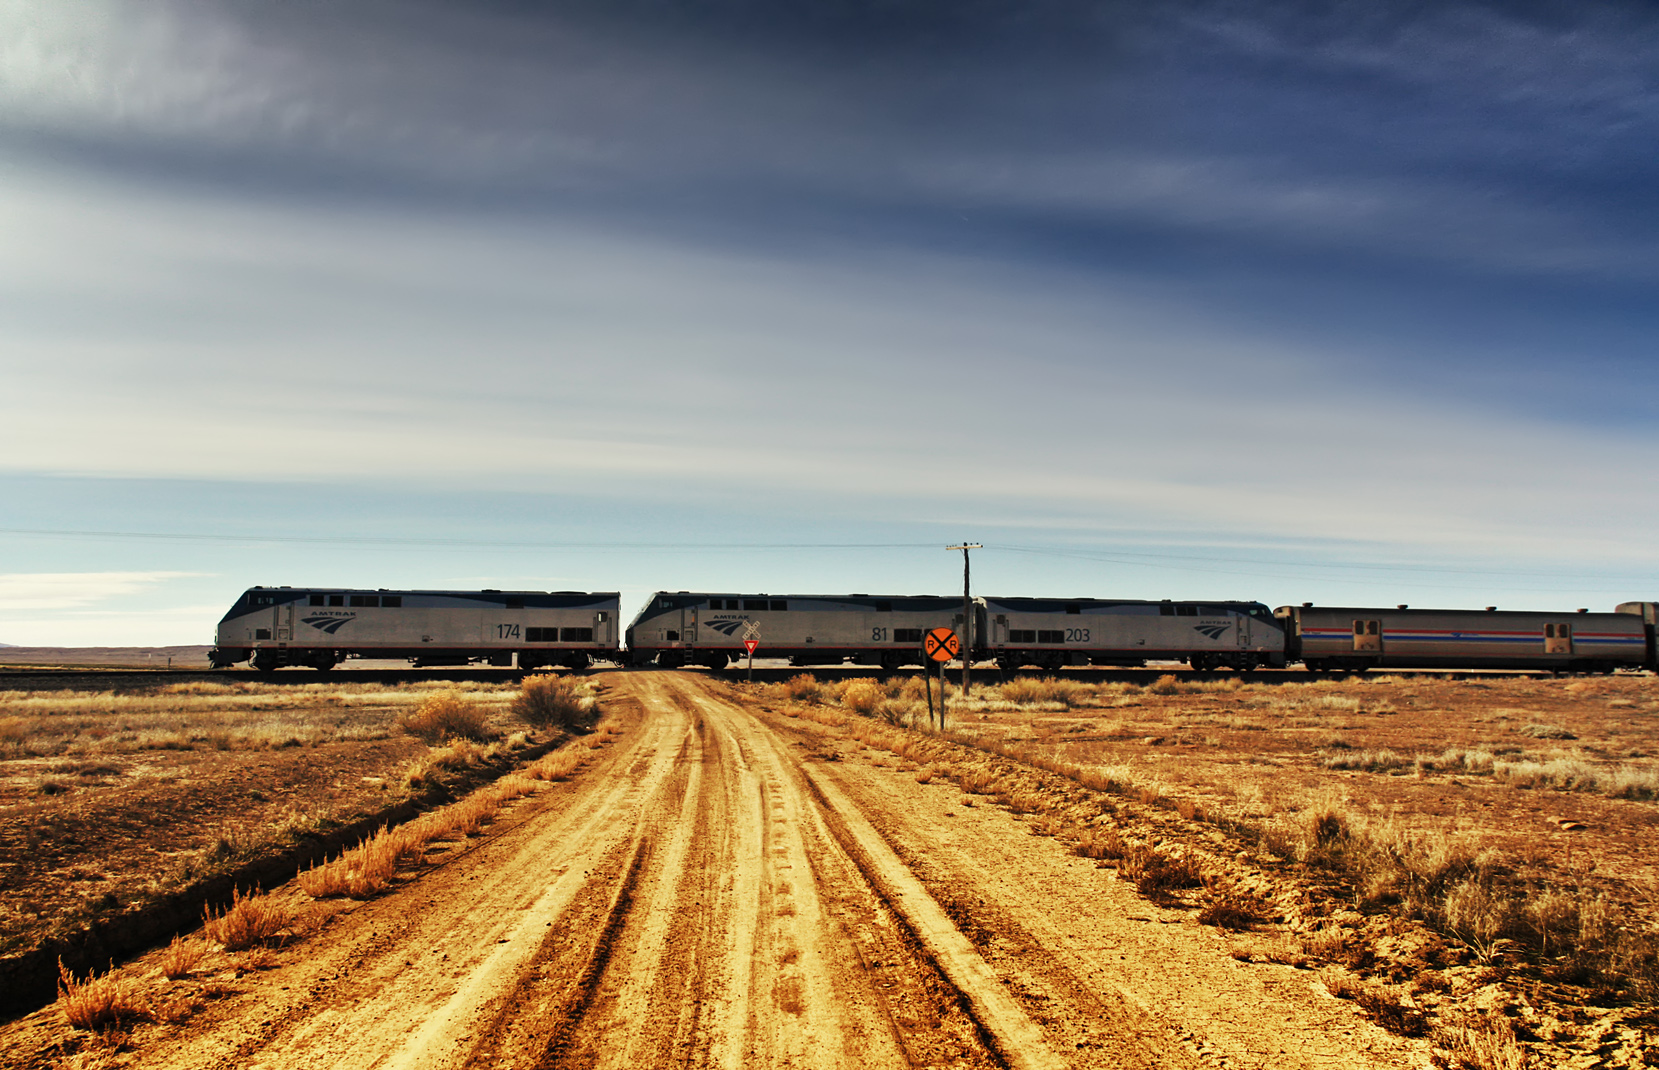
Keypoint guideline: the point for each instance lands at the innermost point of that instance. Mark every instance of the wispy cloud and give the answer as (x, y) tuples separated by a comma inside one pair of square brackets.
[(73, 590)]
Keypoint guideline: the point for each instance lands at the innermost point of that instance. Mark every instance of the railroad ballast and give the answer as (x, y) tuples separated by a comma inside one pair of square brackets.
[(272, 627)]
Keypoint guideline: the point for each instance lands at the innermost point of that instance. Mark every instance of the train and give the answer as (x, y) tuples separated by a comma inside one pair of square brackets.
[(274, 627)]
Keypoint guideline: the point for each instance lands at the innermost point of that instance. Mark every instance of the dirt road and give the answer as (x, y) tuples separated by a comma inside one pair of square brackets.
[(727, 890)]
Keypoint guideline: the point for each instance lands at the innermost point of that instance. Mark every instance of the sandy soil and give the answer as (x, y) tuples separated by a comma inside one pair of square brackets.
[(726, 888)]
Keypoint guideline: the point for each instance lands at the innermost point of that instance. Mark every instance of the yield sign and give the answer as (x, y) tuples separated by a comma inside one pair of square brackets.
[(941, 644), (750, 644)]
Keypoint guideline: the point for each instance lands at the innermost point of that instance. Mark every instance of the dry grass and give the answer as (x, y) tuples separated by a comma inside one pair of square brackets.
[(249, 920), (213, 715), (112, 1001), (445, 716), (1483, 1043), (181, 957), (549, 701)]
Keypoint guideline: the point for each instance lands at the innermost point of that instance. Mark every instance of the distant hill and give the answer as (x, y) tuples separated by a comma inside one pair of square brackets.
[(145, 657)]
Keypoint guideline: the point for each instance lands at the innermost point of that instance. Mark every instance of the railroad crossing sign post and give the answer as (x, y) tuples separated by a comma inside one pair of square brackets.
[(751, 640), (939, 646)]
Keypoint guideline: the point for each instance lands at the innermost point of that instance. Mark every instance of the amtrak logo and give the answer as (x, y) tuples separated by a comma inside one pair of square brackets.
[(1211, 631), (327, 624), (726, 627)]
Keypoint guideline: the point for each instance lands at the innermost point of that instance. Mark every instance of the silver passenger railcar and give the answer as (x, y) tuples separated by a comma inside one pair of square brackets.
[(706, 628), (1053, 632), (270, 627), (1324, 637)]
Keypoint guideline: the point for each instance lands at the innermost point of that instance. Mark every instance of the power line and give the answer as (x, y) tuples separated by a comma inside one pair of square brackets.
[(345, 540)]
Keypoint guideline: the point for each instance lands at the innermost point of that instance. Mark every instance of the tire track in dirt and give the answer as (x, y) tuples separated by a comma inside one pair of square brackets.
[(1120, 981)]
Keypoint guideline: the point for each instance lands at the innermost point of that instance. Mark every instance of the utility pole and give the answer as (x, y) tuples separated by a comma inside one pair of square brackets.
[(967, 619)]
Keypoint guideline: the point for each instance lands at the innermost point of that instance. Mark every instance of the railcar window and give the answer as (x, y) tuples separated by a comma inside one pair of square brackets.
[(365, 600), (779, 607), (316, 599), (754, 603), (576, 635), (1359, 627), (907, 635), (391, 601), (1022, 635), (1046, 636)]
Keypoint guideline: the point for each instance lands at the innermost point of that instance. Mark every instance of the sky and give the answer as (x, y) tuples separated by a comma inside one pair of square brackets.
[(1350, 303)]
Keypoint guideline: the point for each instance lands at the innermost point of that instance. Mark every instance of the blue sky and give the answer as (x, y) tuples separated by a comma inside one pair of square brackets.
[(1335, 303)]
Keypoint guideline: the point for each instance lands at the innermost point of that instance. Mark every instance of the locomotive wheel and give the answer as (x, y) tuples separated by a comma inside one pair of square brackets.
[(1202, 662), (892, 661), (263, 662)]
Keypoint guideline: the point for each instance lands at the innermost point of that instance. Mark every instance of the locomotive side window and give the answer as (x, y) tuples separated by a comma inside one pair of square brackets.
[(1166, 610), (717, 603), (391, 601), (1074, 608), (262, 633), (886, 607), (515, 603), (1022, 635), (1056, 636), (779, 607), (336, 599), (1186, 611), (316, 599), (671, 635), (754, 603), (907, 635), (576, 635), (365, 600)]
